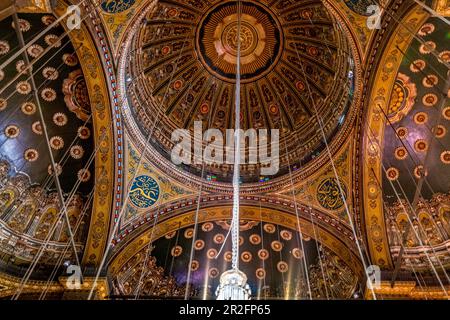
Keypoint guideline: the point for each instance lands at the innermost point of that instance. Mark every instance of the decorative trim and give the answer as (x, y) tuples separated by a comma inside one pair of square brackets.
[(101, 114)]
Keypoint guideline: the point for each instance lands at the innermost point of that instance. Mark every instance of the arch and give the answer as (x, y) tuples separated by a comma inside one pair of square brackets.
[(125, 251)]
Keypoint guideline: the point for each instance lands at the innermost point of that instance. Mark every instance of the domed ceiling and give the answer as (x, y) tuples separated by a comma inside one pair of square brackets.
[(183, 69)]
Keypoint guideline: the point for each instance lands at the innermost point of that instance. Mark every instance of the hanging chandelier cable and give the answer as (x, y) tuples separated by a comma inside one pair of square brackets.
[(47, 240), (262, 248), (330, 156), (415, 36), (194, 236), (233, 283), (45, 132), (70, 197), (409, 219), (319, 254), (84, 212), (147, 255)]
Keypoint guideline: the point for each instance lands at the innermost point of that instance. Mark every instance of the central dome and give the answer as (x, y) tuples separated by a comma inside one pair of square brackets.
[(260, 38), (293, 62)]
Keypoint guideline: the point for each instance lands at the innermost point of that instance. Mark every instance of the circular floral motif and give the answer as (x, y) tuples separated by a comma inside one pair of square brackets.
[(421, 145), (189, 233), (392, 173), (176, 251), (446, 113), (4, 47), (260, 273), (426, 29), (211, 253), (60, 119), (300, 85), (77, 152), (313, 51), (58, 169), (178, 84), (84, 132), (263, 254), (204, 108), (430, 99), (401, 153), (227, 256), (420, 118), (23, 87), (173, 12), (427, 47), (329, 194), (419, 172), (56, 142), (28, 108), (219, 238), (286, 235), (48, 20), (213, 273), (444, 56), (195, 265), (255, 239), (51, 39), (207, 226), (165, 50), (430, 81), (31, 155), (50, 73), (170, 235), (246, 256), (241, 240), (24, 25), (402, 132), (48, 94), (84, 175), (276, 245), (445, 157), (297, 253), (417, 65), (12, 131), (70, 59), (35, 50), (282, 266), (199, 244), (20, 66), (440, 131), (36, 127), (269, 228), (3, 104), (273, 109)]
